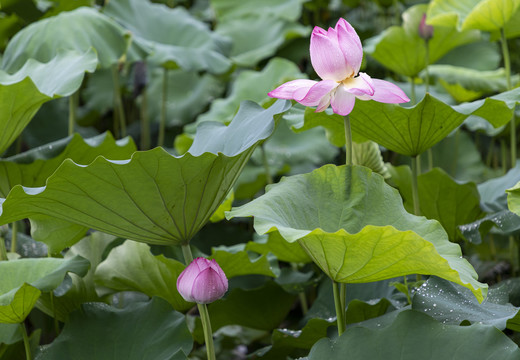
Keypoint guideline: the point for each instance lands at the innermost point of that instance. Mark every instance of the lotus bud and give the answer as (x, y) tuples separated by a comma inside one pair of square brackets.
[(425, 30), (202, 282)]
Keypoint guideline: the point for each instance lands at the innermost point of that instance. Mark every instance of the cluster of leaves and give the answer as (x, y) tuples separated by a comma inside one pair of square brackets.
[(91, 274)]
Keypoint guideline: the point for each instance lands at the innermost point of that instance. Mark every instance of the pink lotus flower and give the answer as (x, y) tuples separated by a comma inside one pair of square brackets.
[(202, 282), (336, 56)]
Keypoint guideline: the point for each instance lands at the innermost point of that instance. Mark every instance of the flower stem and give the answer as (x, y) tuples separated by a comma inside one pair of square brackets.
[(162, 123), (26, 342), (73, 103), (340, 312), (343, 299), (14, 236), (348, 140), (119, 112), (415, 187), (267, 170), (303, 299), (145, 122), (203, 311), (3, 252), (507, 66)]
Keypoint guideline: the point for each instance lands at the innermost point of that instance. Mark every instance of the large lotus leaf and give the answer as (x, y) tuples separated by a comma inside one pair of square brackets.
[(401, 49), (23, 92), (273, 74), (154, 197), (411, 131), (252, 308), (33, 167), (236, 263), (337, 215), (149, 274), (483, 82), (284, 251), (77, 30), (451, 304), (506, 222), (288, 343), (408, 131), (493, 195), (257, 36), (486, 15), (141, 330), (80, 289), (176, 38), (23, 281), (413, 335), (451, 203)]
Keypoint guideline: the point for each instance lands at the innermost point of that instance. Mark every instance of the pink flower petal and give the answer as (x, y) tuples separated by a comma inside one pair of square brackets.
[(326, 56), (386, 92), (361, 85), (342, 101), (350, 45), (208, 287), (324, 103), (317, 92), (292, 90)]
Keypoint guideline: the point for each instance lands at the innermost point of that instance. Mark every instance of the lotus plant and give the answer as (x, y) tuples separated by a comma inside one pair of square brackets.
[(336, 56)]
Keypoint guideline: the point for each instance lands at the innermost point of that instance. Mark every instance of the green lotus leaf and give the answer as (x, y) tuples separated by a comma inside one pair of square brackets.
[(408, 131), (109, 333), (337, 215), (32, 168), (149, 274), (82, 288), (175, 37), (447, 201), (477, 81), (410, 58), (252, 308), (486, 15), (413, 335), (23, 281), (411, 131), (77, 30), (154, 197), (237, 263), (368, 154), (451, 304), (283, 250), (23, 92)]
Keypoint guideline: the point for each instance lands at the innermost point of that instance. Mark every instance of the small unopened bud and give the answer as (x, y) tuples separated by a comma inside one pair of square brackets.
[(202, 282), (425, 30)]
